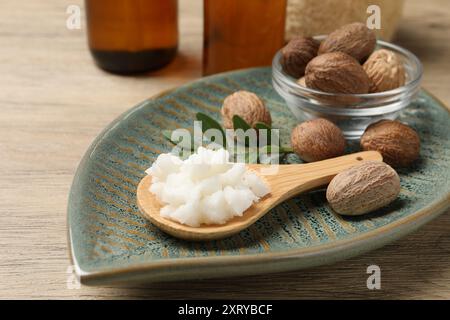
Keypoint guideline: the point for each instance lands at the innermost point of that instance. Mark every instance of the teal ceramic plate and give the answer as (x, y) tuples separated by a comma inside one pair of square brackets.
[(111, 242)]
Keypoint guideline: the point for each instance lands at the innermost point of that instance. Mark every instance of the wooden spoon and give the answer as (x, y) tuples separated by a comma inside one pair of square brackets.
[(288, 182)]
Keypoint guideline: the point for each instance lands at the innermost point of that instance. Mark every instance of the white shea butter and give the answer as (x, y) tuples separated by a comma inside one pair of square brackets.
[(206, 188)]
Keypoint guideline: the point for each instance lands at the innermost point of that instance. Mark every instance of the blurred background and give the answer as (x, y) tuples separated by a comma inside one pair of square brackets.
[(54, 100)]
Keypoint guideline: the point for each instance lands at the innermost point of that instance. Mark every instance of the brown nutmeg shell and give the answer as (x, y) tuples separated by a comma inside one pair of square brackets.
[(385, 71), (296, 55), (398, 143), (354, 39), (337, 72), (317, 139), (248, 106), (363, 188)]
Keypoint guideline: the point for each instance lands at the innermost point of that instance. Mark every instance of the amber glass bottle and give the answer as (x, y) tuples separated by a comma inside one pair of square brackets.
[(241, 33), (130, 36)]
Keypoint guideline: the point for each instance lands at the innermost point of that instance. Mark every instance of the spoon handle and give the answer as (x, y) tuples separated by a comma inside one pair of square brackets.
[(297, 178)]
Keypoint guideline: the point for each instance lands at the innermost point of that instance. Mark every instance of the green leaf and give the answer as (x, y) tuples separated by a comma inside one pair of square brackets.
[(167, 134), (271, 149), (286, 150), (239, 123), (209, 123), (262, 125), (250, 155)]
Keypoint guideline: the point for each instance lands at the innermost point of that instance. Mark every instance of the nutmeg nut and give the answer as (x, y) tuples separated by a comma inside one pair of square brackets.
[(363, 188), (317, 139), (296, 55), (398, 143), (354, 39), (336, 72), (385, 71), (248, 106)]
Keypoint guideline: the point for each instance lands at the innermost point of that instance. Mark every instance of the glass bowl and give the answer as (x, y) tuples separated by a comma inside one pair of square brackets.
[(351, 112)]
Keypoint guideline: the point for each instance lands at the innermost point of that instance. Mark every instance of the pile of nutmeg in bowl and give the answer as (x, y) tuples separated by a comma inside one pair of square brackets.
[(346, 63), (348, 77)]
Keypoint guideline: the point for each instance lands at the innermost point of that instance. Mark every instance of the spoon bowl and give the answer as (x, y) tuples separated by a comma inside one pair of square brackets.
[(289, 180)]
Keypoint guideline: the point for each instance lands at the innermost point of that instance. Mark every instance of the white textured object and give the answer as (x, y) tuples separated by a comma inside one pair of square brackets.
[(205, 188), (312, 17)]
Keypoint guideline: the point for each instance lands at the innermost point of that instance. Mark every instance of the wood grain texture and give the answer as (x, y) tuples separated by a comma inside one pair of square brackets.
[(53, 103)]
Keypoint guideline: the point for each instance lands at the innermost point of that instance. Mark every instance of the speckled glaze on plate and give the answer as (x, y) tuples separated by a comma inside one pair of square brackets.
[(111, 242)]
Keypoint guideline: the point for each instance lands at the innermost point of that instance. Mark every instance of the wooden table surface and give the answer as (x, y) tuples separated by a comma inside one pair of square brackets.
[(54, 101)]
